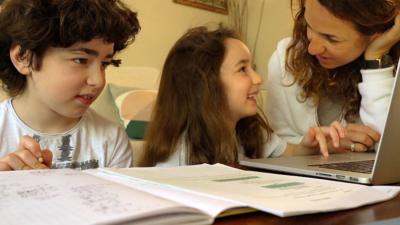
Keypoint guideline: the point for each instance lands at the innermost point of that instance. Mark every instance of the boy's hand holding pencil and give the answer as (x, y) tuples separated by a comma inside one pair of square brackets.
[(28, 156)]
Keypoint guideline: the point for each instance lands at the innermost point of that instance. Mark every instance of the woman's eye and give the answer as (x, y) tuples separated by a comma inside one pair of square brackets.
[(242, 69), (80, 60), (332, 40)]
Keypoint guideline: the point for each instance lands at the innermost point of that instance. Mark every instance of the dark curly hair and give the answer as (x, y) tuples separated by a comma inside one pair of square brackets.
[(368, 17), (36, 25)]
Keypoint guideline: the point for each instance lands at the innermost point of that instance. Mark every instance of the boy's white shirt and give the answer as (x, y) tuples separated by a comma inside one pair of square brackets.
[(93, 142), (273, 148), (291, 119)]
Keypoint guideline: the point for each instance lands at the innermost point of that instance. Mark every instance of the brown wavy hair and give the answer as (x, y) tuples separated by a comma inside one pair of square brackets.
[(191, 104), (36, 25), (368, 17)]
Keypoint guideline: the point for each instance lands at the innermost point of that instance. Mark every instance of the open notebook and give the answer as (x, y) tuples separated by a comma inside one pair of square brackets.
[(180, 195)]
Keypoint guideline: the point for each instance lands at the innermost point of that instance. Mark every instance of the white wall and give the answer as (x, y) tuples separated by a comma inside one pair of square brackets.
[(274, 19), (163, 22)]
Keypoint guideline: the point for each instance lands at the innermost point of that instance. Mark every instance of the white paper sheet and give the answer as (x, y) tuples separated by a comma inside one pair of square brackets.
[(281, 195), (68, 197)]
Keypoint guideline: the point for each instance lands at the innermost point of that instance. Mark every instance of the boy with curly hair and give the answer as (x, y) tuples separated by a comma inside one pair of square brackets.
[(53, 59)]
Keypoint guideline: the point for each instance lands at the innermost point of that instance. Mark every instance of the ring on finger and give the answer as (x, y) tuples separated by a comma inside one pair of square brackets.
[(353, 147)]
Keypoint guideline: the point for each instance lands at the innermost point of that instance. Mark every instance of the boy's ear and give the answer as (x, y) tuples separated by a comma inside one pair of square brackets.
[(21, 63)]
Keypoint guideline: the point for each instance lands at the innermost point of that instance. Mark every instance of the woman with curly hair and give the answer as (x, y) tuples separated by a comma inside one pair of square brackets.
[(337, 66)]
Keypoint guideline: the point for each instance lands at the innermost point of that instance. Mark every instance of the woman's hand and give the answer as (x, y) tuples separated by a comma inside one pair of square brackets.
[(358, 138), (382, 43), (28, 156), (323, 137)]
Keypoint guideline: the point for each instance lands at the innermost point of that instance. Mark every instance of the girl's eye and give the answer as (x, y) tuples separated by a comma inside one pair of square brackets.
[(242, 69), (80, 60)]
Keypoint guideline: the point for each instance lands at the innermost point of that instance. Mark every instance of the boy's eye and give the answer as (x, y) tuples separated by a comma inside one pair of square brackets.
[(116, 62), (80, 60), (106, 64)]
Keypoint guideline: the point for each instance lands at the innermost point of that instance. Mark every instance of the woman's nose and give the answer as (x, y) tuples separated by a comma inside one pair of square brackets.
[(316, 46)]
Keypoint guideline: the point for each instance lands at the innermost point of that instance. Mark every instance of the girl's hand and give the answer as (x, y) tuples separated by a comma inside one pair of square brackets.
[(27, 156), (382, 43), (322, 137)]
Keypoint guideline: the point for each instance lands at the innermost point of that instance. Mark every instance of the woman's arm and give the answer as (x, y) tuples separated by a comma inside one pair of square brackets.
[(282, 108)]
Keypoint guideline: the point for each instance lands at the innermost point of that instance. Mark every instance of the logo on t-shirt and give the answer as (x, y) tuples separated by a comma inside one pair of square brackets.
[(65, 156), (65, 149)]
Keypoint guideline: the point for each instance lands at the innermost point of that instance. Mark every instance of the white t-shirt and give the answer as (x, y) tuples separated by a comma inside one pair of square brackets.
[(273, 148), (94, 142)]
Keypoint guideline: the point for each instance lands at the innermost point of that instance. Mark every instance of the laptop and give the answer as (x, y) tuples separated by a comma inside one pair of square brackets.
[(379, 167)]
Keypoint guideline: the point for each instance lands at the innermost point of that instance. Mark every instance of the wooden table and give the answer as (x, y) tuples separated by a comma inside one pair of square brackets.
[(376, 212)]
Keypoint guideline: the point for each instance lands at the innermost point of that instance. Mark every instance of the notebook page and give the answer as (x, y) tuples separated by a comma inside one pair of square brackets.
[(71, 197), (211, 205), (280, 195)]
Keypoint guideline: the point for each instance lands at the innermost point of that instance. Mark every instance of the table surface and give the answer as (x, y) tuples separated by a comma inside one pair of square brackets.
[(366, 214)]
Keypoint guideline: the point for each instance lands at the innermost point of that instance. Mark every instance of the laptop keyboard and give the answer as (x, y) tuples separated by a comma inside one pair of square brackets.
[(357, 166)]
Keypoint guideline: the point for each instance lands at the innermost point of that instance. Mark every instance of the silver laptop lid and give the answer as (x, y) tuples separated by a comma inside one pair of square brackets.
[(387, 162)]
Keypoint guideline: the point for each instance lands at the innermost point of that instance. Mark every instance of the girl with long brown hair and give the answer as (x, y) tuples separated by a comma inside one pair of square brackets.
[(206, 110), (337, 66)]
